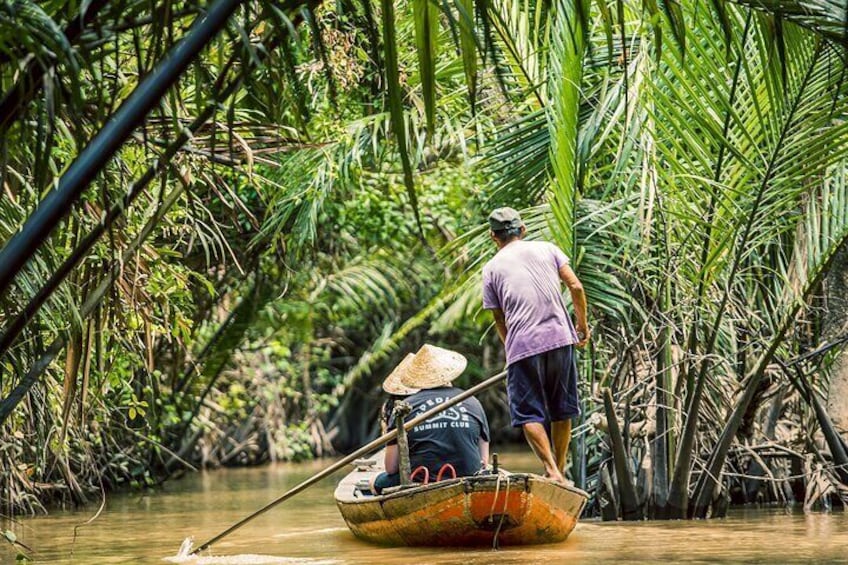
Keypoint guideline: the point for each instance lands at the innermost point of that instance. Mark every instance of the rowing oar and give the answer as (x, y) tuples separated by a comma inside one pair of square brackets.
[(364, 450)]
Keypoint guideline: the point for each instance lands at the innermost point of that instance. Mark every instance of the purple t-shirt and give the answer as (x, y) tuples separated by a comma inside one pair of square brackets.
[(523, 280)]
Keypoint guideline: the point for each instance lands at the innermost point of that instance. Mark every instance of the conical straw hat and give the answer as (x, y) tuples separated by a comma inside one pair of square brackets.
[(433, 367), (392, 384)]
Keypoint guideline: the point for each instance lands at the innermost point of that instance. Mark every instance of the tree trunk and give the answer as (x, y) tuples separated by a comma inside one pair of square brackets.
[(836, 325), (630, 508)]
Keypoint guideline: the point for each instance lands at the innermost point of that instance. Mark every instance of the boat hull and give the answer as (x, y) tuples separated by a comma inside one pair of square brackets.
[(510, 509)]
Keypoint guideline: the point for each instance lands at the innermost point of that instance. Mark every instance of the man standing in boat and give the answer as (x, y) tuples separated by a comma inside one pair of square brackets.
[(522, 288), (453, 443)]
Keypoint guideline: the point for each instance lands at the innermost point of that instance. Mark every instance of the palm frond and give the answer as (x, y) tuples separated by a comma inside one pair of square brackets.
[(426, 16), (468, 46), (826, 17), (395, 101), (568, 47)]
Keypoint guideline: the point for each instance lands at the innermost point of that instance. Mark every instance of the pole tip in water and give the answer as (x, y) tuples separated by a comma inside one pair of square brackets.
[(184, 555), (185, 548)]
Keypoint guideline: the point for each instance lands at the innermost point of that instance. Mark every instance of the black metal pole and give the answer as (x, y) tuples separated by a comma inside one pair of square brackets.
[(100, 150)]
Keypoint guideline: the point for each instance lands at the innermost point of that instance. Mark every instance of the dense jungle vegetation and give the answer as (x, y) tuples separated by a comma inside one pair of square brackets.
[(307, 205)]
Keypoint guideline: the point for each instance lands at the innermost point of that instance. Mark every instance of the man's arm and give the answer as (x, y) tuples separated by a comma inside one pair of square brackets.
[(500, 323), (578, 298), (391, 459), (484, 451)]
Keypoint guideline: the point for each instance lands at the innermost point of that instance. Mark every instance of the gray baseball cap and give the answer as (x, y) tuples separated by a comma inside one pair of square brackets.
[(504, 218)]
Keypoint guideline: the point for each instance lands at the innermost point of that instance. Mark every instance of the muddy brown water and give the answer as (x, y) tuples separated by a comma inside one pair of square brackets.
[(149, 528)]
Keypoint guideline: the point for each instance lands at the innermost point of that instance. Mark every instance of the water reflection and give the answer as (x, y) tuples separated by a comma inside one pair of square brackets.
[(149, 528)]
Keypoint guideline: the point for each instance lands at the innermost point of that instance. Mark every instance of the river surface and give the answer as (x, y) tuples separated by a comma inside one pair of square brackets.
[(150, 527)]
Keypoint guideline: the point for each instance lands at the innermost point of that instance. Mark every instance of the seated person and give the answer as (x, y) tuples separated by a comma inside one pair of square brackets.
[(458, 436)]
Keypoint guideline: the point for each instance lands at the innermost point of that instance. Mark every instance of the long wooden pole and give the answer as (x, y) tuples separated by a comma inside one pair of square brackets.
[(364, 450)]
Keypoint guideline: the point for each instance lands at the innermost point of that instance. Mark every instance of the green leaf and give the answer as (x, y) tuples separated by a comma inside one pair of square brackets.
[(396, 105), (656, 24), (468, 46), (724, 20), (568, 49), (609, 24), (825, 17), (426, 16), (678, 25)]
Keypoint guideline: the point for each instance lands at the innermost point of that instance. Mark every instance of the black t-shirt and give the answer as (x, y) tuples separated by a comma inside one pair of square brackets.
[(450, 436)]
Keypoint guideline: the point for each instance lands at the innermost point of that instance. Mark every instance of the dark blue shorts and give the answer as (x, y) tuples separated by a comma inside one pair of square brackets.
[(386, 480), (543, 387)]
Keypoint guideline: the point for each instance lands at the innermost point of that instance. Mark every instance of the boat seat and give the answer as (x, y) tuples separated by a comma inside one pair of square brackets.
[(390, 490), (362, 488), (364, 464), (414, 484)]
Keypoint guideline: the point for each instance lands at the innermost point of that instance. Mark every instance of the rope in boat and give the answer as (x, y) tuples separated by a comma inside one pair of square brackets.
[(495, 544), (495, 499)]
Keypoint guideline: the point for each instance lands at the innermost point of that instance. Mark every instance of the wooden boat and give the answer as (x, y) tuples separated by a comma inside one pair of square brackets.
[(502, 509)]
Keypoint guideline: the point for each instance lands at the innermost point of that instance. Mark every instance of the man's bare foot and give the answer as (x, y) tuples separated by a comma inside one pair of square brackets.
[(555, 476)]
